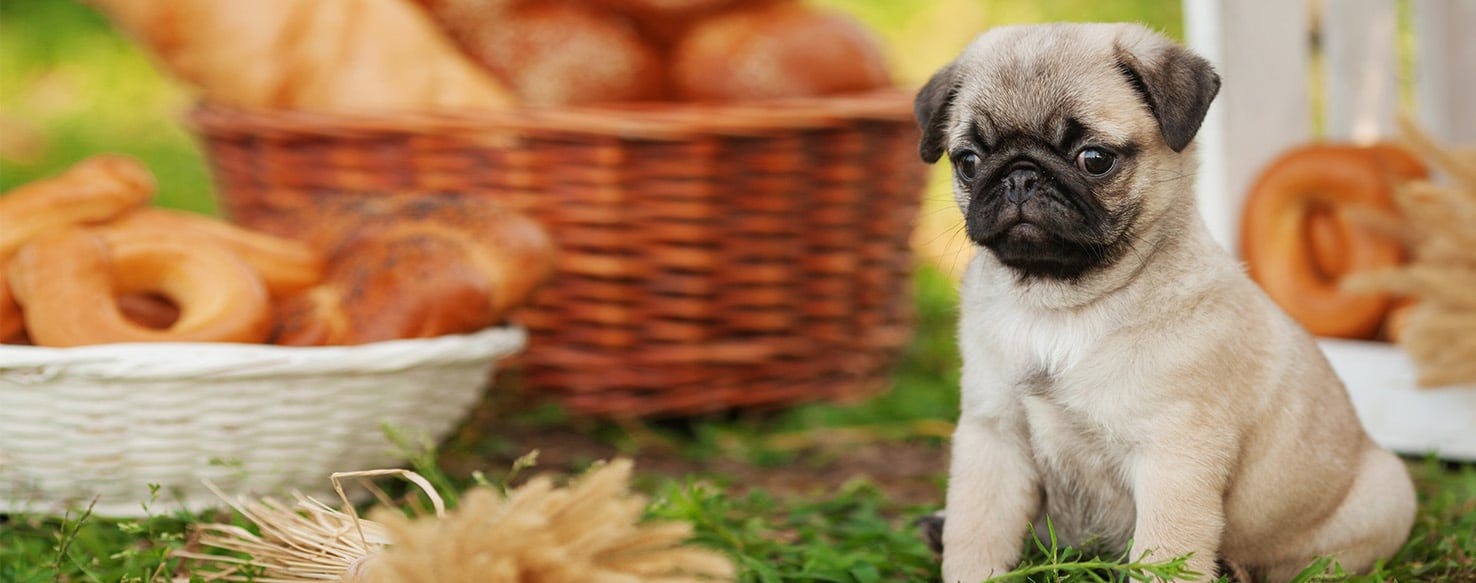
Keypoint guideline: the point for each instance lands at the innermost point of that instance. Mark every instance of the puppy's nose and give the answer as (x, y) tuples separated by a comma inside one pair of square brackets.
[(1020, 183)]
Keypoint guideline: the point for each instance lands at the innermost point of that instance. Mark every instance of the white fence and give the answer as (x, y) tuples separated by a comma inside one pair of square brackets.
[(1267, 57)]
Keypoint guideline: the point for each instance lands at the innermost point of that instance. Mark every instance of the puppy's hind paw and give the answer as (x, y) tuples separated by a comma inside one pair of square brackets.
[(930, 528)]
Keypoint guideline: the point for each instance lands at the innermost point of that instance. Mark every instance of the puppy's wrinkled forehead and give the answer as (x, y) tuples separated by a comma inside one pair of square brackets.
[(1037, 80)]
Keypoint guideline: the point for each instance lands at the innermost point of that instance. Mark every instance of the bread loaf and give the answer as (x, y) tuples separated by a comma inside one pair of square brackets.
[(665, 21), (777, 50), (557, 53), (317, 55), (416, 266)]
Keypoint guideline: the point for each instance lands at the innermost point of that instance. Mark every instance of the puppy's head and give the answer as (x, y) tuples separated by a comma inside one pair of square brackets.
[(1066, 139)]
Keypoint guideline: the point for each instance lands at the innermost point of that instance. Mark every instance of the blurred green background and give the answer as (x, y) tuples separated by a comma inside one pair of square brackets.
[(70, 86)]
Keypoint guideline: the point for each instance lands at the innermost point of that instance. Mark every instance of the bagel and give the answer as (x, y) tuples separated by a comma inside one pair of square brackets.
[(285, 265), (149, 310), (94, 190), (68, 284), (1299, 237)]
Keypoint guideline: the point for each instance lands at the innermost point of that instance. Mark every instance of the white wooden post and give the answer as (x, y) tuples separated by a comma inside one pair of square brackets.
[(1445, 68), (1260, 49), (1361, 69)]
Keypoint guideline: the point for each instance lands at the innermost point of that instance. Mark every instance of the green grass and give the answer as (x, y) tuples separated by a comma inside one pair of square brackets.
[(856, 535), (70, 87)]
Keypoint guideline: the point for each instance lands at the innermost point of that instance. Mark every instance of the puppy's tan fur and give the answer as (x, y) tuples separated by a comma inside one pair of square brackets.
[(1161, 398)]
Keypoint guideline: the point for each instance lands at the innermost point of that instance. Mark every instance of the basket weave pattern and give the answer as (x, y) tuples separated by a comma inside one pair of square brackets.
[(711, 257), (107, 421)]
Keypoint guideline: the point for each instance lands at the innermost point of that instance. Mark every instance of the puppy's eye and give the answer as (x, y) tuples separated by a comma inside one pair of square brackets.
[(966, 164), (1096, 161)]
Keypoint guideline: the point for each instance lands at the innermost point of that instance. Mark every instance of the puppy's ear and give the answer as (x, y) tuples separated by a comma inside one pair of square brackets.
[(1177, 85), (931, 107)]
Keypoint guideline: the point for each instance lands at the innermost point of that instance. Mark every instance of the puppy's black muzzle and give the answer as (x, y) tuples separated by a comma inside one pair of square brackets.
[(1021, 183), (1039, 217)]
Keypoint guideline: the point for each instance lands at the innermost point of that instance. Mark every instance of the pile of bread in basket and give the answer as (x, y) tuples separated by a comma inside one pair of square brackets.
[(343, 55), (87, 261)]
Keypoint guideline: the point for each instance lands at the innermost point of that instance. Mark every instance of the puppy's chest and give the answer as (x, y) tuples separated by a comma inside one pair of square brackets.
[(1080, 391), (1081, 409), (1084, 471)]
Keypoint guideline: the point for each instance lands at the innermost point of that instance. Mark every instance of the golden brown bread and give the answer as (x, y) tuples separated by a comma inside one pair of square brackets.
[(416, 267), (149, 310), (91, 191), (68, 283), (317, 55), (94, 190), (1299, 243), (389, 286), (285, 265), (11, 322), (776, 50), (664, 21), (556, 53)]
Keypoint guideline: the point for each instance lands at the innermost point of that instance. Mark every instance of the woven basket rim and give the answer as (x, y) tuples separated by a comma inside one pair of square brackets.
[(654, 120), (222, 360)]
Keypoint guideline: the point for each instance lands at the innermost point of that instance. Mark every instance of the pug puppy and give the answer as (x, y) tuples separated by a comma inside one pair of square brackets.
[(1122, 376)]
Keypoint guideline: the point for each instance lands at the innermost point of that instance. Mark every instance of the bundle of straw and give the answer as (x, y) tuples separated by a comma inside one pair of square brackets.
[(1439, 224), (589, 531)]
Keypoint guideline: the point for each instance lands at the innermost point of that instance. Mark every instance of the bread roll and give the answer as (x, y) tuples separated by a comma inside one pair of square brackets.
[(557, 53), (665, 21), (774, 51), (385, 287), (417, 266)]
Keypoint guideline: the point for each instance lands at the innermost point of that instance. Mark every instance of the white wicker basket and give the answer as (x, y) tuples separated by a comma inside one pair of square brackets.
[(107, 421)]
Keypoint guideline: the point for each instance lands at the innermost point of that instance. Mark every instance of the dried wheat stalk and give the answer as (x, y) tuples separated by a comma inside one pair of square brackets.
[(1439, 222), (589, 531)]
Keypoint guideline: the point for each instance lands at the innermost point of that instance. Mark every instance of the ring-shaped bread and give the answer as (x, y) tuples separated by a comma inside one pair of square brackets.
[(1299, 235), (94, 190), (68, 284), (285, 265)]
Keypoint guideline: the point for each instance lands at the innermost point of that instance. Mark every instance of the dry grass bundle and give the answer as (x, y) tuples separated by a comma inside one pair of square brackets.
[(589, 531), (1439, 223), (586, 532), (305, 541)]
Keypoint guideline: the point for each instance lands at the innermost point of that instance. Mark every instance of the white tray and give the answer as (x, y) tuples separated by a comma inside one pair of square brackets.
[(1398, 414)]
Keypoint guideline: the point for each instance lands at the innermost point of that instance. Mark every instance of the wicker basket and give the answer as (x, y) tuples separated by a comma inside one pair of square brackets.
[(107, 421), (712, 257)]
